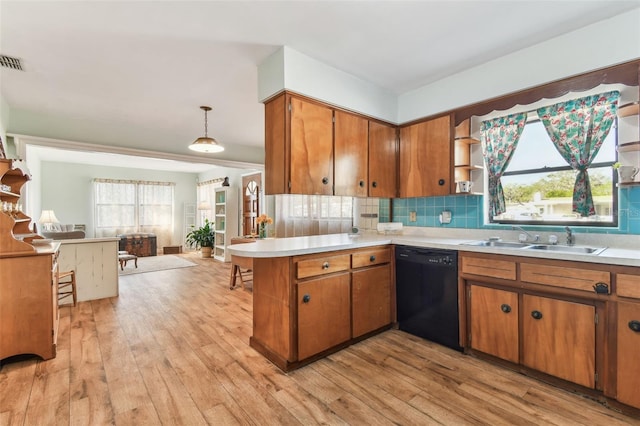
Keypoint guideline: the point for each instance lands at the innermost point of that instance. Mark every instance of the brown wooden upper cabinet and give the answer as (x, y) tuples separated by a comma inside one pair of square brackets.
[(351, 145), (383, 160), (425, 158), (313, 149), (298, 147)]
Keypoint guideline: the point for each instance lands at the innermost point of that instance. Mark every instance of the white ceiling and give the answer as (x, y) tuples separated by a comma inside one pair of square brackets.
[(134, 73)]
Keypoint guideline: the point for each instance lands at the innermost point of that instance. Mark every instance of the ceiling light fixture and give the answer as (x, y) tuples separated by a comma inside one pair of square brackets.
[(206, 144)]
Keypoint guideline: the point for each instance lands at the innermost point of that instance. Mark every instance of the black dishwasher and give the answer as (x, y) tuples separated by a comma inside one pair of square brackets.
[(427, 294)]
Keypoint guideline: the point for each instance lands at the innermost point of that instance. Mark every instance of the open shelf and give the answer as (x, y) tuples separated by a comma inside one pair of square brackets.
[(629, 147), (468, 167), (467, 140), (628, 110)]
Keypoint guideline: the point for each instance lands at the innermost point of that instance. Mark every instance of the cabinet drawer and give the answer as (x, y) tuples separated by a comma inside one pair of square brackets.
[(628, 285), (371, 257), (560, 276), (489, 267), (322, 266)]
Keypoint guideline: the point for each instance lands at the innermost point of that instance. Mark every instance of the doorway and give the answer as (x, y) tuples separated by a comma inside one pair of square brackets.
[(251, 187)]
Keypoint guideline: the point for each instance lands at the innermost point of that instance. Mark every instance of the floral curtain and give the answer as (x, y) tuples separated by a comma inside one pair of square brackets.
[(499, 137), (577, 128)]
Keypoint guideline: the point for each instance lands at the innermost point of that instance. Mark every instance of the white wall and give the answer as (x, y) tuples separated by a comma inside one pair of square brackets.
[(67, 189), (313, 78), (4, 122), (599, 45)]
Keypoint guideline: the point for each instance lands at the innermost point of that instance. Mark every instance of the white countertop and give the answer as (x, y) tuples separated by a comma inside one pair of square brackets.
[(282, 247)]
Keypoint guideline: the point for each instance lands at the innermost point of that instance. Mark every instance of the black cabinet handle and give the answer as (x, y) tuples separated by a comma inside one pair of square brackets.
[(325, 265), (505, 308), (361, 183), (374, 184), (372, 258), (306, 298), (634, 326), (601, 288), (325, 180), (441, 182), (536, 314)]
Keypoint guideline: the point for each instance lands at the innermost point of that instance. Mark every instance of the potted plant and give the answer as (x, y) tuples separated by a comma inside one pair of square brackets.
[(626, 173), (203, 238)]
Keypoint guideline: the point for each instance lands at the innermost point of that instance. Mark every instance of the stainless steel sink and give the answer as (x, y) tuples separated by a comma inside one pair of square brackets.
[(567, 249), (505, 244), (594, 251)]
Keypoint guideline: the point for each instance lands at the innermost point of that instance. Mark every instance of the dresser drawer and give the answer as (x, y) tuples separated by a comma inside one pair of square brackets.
[(322, 265), (564, 277), (371, 257), (487, 267), (628, 285)]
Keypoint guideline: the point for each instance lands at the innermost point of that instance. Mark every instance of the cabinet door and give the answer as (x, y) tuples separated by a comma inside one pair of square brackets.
[(351, 152), (628, 370), (311, 148), (494, 322), (323, 314), (371, 299), (559, 338), (382, 160), (425, 158), (276, 167)]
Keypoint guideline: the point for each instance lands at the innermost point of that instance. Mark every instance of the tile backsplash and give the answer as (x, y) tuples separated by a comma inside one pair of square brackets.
[(467, 211)]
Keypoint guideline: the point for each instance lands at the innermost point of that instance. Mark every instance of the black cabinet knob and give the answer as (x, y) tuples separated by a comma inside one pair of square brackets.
[(441, 182), (372, 258), (374, 184), (536, 314), (325, 265), (601, 288), (306, 298), (505, 308), (634, 326), (325, 180), (361, 183)]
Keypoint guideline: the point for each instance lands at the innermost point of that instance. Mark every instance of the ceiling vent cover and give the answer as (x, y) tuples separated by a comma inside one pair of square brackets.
[(9, 62)]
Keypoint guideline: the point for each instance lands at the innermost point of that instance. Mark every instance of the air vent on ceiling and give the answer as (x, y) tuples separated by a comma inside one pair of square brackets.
[(9, 62)]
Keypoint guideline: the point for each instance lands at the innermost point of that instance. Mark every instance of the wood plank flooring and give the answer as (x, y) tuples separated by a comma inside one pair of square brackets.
[(173, 349)]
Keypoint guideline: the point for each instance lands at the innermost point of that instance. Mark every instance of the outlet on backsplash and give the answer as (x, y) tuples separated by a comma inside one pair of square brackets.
[(413, 217)]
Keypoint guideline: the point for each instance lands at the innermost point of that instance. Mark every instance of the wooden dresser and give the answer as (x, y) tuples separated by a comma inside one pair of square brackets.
[(28, 275)]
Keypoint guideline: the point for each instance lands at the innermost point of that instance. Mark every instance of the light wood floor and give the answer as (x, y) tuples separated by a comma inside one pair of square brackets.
[(173, 349)]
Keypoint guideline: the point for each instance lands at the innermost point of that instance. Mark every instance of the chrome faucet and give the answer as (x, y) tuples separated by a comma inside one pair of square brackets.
[(523, 237), (571, 239)]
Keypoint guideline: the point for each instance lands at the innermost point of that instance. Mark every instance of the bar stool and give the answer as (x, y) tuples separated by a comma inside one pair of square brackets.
[(67, 288)]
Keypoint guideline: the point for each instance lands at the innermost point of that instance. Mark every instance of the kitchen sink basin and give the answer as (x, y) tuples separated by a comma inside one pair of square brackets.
[(505, 244), (567, 249), (594, 251)]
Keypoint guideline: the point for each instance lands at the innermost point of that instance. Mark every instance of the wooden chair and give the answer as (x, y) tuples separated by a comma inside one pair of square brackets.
[(67, 288), (238, 263)]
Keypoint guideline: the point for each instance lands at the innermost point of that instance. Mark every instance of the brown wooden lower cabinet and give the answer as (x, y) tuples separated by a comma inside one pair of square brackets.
[(370, 299), (559, 338), (307, 306), (324, 309), (544, 316), (494, 322), (628, 349)]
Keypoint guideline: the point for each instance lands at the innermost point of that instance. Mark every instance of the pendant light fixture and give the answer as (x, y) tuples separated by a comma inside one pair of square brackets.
[(206, 144)]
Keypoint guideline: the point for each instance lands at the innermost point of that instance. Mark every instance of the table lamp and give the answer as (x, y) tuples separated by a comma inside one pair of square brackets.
[(47, 219)]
